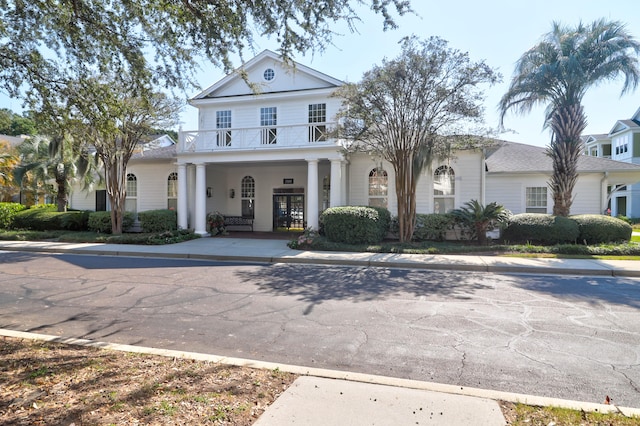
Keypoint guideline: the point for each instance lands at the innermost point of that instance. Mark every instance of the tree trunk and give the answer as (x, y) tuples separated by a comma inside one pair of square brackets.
[(567, 123), (116, 179), (481, 233), (61, 183), (406, 198)]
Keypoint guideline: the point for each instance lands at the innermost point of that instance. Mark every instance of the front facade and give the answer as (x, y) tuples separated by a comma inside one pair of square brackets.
[(264, 151)]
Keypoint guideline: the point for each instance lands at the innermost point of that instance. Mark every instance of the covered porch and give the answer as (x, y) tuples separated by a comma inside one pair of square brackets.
[(279, 195)]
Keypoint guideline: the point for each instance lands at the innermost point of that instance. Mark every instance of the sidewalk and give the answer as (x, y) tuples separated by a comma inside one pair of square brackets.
[(328, 397), (276, 251)]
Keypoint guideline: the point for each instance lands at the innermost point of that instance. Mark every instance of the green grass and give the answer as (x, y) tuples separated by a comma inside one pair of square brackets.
[(630, 251), (531, 415), (157, 238)]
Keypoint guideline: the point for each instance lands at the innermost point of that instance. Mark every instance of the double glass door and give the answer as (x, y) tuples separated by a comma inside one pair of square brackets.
[(288, 212)]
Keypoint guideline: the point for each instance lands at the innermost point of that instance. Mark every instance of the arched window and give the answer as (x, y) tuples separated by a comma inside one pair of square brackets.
[(378, 187), (172, 191), (131, 200), (444, 189), (248, 195)]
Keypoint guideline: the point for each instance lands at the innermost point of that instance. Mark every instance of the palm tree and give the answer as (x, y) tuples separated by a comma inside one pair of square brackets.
[(43, 160), (557, 72), (479, 218)]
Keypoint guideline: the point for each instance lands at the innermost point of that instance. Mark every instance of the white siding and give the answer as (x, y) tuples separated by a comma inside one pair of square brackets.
[(82, 200), (152, 184), (467, 166), (286, 79), (247, 113), (510, 191)]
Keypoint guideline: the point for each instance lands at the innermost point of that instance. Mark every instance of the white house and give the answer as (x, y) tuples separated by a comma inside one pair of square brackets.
[(263, 150)]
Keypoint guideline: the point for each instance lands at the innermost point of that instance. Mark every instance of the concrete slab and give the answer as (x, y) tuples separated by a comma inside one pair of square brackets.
[(314, 401)]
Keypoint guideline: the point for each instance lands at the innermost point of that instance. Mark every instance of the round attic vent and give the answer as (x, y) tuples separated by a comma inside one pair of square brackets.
[(269, 74)]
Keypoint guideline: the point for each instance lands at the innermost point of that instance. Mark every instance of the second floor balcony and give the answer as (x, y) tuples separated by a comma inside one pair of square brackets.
[(257, 137)]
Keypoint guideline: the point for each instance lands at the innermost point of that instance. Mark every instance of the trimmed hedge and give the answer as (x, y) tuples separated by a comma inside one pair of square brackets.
[(8, 212), (540, 229), (598, 229), (37, 219), (429, 227), (76, 220), (158, 220), (356, 224), (101, 221)]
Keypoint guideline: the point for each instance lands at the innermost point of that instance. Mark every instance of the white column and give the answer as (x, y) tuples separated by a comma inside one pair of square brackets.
[(335, 197), (183, 214), (201, 200), (191, 198), (312, 194), (343, 183)]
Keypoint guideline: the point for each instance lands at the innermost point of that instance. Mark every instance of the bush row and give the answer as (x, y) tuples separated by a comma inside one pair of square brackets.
[(547, 229), (365, 225), (46, 218)]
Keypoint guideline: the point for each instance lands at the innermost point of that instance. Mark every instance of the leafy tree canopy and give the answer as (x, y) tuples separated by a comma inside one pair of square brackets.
[(13, 124), (44, 43), (410, 109)]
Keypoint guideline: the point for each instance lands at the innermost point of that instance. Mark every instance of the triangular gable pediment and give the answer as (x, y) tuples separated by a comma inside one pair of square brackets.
[(636, 116), (620, 126), (285, 78)]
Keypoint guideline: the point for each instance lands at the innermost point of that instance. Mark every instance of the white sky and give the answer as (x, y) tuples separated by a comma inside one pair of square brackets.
[(498, 31)]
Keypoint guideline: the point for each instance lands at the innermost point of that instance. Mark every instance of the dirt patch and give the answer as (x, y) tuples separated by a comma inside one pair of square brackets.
[(43, 383), (46, 383)]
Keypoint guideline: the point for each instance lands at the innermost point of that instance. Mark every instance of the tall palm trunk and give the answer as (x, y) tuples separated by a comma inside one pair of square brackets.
[(567, 123)]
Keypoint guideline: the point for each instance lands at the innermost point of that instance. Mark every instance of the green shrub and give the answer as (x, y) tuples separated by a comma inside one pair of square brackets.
[(355, 225), (541, 229), (101, 221), (432, 227), (8, 212), (598, 229), (37, 219), (53, 207), (76, 220), (158, 220)]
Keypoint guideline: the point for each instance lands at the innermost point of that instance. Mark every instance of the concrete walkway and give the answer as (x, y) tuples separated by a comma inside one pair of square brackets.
[(276, 251), (325, 398)]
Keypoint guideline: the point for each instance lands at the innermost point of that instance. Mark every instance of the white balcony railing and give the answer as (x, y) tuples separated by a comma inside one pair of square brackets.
[(256, 137)]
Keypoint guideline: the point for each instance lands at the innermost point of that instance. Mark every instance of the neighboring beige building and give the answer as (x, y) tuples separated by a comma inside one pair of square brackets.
[(622, 143)]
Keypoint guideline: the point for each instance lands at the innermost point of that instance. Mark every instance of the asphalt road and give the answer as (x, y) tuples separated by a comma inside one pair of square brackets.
[(557, 336)]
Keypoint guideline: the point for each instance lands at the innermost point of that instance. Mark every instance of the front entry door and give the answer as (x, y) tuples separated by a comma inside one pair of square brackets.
[(288, 212)]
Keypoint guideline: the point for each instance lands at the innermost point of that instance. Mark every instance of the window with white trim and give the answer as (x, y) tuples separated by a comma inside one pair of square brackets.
[(378, 187), (223, 122), (248, 195), (172, 191), (444, 189), (536, 199), (268, 120), (317, 122), (131, 194)]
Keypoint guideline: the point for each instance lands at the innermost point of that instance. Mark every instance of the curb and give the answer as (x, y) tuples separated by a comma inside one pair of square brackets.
[(338, 375), (482, 266)]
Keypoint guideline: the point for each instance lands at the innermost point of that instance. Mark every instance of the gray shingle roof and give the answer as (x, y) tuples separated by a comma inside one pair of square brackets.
[(512, 157), (164, 153)]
